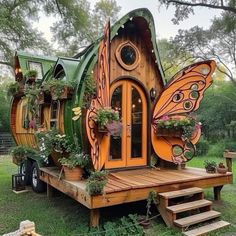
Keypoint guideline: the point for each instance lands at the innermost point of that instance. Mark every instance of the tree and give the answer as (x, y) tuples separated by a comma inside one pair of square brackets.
[(218, 43), (218, 110), (172, 60), (16, 30), (183, 7), (79, 26), (71, 31)]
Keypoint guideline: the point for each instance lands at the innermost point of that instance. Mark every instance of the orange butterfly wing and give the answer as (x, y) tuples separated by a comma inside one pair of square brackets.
[(181, 96)]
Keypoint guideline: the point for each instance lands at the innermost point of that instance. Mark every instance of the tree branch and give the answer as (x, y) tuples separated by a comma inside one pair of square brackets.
[(222, 7), (6, 63)]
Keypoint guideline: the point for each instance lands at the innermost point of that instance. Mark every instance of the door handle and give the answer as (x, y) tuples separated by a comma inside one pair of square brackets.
[(128, 130)]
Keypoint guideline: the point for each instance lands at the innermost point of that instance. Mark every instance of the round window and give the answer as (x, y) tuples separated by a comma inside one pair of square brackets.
[(128, 55)]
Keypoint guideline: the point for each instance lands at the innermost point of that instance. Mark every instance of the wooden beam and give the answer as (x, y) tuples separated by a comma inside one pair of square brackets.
[(50, 191), (217, 190), (94, 217)]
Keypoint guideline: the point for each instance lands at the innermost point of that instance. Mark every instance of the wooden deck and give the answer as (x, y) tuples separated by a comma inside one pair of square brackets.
[(135, 185)]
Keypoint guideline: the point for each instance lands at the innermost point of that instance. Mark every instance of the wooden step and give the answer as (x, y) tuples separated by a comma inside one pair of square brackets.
[(206, 228), (180, 193), (189, 206), (194, 219)]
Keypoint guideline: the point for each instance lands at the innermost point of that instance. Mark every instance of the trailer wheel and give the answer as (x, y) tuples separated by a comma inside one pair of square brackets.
[(25, 168), (37, 185)]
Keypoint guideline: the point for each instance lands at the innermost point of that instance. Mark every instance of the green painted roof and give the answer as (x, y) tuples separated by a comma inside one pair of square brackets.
[(25, 59)]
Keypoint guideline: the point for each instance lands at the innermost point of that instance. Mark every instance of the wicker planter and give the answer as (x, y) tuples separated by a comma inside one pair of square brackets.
[(55, 156), (168, 132), (73, 174), (222, 170)]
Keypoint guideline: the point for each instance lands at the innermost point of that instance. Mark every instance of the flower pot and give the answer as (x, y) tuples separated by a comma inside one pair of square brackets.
[(73, 174), (211, 171), (65, 93), (56, 155), (168, 132), (222, 170)]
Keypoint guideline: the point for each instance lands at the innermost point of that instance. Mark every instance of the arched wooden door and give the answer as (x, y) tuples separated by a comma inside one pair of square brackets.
[(131, 148)]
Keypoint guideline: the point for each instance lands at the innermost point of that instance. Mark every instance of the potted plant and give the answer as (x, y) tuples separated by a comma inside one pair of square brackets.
[(30, 76), (106, 116), (60, 89), (96, 182), (74, 164), (176, 126), (20, 153), (52, 143), (221, 168), (15, 89), (210, 166)]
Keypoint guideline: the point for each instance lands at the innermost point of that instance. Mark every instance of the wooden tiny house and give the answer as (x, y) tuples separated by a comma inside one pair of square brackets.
[(122, 71)]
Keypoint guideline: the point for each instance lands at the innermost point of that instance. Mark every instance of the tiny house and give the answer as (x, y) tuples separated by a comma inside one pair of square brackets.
[(121, 71)]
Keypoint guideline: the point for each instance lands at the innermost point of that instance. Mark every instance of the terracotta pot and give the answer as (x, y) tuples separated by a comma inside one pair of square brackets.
[(222, 170), (73, 174)]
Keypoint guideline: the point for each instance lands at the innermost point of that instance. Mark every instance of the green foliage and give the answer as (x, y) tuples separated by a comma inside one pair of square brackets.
[(13, 88), (76, 159), (96, 182), (186, 124), (4, 108), (218, 110), (216, 149), (32, 93), (89, 91), (16, 28), (125, 226), (210, 165), (52, 140), (202, 147), (152, 199), (106, 115), (20, 153), (57, 86), (31, 73)]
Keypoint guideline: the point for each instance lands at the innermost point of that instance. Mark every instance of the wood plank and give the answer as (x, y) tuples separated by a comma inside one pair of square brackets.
[(189, 206), (180, 193), (207, 228), (198, 218), (229, 154)]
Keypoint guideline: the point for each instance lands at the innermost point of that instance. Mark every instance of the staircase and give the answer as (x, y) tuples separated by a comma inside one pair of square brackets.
[(186, 208)]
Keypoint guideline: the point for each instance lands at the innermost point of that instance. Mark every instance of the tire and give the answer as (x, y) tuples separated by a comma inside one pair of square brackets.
[(25, 169), (38, 185)]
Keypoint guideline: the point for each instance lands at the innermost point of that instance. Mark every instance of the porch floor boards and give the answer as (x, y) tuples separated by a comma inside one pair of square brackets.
[(135, 179)]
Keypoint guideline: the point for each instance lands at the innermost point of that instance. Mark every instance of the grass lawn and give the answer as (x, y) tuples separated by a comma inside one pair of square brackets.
[(62, 216)]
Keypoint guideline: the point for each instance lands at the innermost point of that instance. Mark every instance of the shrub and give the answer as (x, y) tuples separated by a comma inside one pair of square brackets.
[(202, 147)]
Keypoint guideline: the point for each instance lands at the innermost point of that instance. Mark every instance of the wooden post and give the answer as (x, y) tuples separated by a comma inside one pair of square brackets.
[(217, 190), (94, 217), (50, 191), (229, 164)]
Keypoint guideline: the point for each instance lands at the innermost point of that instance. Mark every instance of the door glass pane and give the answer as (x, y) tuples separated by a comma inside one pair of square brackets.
[(136, 124), (115, 142)]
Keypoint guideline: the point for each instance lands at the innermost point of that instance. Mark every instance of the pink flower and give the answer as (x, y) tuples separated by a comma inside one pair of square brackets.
[(165, 118)]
